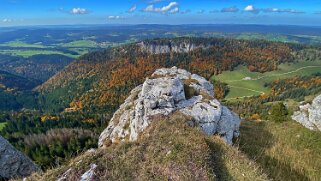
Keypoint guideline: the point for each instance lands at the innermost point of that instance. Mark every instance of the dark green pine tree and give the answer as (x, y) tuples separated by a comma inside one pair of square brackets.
[(279, 113)]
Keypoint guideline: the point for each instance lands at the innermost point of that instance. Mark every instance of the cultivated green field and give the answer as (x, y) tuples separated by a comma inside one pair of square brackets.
[(244, 83), (29, 53), (2, 125), (79, 46), (18, 43), (270, 37), (80, 43)]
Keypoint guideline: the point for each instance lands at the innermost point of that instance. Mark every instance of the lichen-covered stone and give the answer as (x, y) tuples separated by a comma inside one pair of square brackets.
[(165, 93)]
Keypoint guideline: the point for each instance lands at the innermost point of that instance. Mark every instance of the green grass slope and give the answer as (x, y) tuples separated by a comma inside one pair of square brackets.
[(240, 87), (285, 151)]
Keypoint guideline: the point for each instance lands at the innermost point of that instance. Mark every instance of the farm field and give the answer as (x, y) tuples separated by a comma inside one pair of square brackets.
[(243, 83), (29, 53), (18, 43), (79, 43)]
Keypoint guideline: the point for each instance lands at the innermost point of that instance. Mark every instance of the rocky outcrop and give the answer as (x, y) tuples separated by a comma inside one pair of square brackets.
[(167, 91), (169, 46), (89, 174), (13, 164), (309, 115)]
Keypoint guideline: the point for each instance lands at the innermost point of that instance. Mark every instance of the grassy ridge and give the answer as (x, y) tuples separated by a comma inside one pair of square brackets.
[(168, 150), (285, 151), (239, 87)]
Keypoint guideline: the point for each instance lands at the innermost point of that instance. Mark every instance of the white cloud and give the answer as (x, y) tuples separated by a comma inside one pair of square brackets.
[(6, 20), (277, 10), (252, 9), (132, 9), (79, 11), (249, 8), (151, 8), (174, 11), (115, 17)]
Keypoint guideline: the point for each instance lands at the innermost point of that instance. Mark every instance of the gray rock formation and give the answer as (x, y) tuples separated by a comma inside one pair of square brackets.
[(168, 47), (309, 115), (167, 91), (89, 174), (13, 164)]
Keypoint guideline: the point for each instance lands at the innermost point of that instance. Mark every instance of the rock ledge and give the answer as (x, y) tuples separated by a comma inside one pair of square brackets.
[(167, 91), (309, 115)]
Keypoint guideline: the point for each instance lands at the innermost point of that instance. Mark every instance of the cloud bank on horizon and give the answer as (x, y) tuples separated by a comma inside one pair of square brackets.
[(39, 12)]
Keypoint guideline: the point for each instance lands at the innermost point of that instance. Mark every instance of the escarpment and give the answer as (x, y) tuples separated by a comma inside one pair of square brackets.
[(170, 46)]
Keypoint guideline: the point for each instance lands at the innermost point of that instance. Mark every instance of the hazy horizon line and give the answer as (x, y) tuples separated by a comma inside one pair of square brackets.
[(185, 24)]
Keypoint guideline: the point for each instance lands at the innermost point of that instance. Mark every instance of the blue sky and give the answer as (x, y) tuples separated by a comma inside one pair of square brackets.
[(59, 12)]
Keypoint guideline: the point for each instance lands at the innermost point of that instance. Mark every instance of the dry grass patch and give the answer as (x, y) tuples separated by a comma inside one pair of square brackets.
[(285, 151)]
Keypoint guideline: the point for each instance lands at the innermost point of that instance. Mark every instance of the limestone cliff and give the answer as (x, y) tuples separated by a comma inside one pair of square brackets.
[(169, 46), (167, 91)]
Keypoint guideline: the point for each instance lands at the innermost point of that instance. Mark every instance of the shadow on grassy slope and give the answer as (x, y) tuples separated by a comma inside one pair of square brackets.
[(255, 141), (217, 163)]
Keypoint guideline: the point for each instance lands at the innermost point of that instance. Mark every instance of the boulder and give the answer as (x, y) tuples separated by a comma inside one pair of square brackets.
[(14, 164), (166, 91), (309, 115)]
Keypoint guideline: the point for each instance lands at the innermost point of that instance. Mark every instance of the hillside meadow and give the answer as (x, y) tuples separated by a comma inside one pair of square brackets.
[(244, 83)]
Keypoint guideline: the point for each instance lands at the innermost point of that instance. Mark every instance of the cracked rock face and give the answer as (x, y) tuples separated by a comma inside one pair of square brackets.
[(309, 115), (13, 164), (168, 47), (167, 91)]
